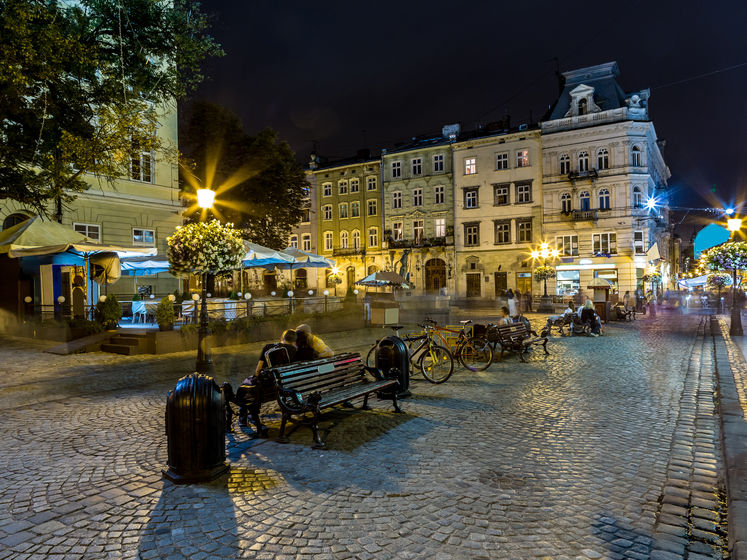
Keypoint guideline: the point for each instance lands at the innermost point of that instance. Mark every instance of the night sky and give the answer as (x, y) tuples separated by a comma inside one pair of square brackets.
[(347, 75)]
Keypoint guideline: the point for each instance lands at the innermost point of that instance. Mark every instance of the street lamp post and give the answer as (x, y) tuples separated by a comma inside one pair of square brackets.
[(543, 254), (735, 329), (204, 363)]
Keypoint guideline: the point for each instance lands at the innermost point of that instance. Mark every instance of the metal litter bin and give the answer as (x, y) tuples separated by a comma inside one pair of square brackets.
[(195, 421), (392, 353)]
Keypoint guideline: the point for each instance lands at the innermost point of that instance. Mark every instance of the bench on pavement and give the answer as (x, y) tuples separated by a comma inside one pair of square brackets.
[(307, 388), (515, 337)]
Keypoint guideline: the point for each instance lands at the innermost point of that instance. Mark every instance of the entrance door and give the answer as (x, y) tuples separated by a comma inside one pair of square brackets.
[(473, 285), (435, 275), (270, 282), (524, 282), (501, 283)]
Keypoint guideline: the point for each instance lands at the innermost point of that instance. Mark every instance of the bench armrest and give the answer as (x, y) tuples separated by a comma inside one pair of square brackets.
[(291, 399)]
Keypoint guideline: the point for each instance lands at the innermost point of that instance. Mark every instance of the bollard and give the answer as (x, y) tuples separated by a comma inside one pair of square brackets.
[(392, 353), (195, 416)]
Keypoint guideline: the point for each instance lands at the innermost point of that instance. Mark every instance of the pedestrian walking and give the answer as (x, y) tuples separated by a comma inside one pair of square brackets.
[(511, 301)]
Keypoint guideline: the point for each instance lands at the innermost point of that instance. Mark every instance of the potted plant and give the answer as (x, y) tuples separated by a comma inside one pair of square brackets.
[(108, 312), (165, 313)]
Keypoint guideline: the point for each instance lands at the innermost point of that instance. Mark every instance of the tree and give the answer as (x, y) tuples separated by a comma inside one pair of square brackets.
[(82, 85), (259, 185)]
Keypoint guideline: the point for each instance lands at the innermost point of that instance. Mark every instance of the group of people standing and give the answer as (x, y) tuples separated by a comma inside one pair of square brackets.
[(517, 302)]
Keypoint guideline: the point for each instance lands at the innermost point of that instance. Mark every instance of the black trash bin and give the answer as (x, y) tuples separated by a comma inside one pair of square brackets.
[(392, 353), (195, 421)]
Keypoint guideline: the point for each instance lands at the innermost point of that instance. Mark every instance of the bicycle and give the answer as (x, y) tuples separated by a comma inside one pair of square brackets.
[(435, 362), (473, 352)]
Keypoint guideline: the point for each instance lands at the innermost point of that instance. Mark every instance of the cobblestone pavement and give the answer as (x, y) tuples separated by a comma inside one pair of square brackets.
[(607, 448)]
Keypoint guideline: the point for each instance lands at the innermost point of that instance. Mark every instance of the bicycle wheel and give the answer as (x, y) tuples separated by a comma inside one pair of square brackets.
[(437, 364), (371, 356), (475, 354)]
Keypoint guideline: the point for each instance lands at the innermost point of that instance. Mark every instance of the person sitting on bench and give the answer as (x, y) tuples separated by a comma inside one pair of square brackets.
[(311, 347)]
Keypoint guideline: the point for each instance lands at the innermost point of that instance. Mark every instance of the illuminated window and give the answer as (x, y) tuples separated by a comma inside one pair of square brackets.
[(418, 228), (470, 166), (439, 225), (397, 231), (500, 195), (522, 158)]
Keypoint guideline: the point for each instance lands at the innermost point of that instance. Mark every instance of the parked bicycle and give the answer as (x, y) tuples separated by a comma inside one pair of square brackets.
[(473, 352), (434, 361)]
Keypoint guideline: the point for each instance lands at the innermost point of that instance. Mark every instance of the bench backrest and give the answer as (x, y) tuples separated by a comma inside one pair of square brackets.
[(514, 332), (321, 375)]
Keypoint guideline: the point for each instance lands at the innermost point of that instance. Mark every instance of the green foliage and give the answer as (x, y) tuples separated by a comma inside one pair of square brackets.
[(233, 295), (269, 199), (178, 296), (165, 315), (108, 312), (82, 84), (542, 273), (136, 297), (87, 327)]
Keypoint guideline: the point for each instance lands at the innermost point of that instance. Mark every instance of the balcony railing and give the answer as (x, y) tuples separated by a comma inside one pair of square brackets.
[(584, 215), (348, 252), (590, 174), (424, 242)]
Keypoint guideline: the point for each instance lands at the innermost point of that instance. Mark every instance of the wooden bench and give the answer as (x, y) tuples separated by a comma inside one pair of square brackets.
[(310, 387), (515, 337)]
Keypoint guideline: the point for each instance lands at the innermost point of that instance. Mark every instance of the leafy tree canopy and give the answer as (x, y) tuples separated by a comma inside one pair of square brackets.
[(259, 185), (81, 84)]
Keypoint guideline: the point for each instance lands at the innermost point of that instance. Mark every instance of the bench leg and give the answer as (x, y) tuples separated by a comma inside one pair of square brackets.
[(365, 403), (281, 438), (395, 403), (522, 350), (318, 443), (544, 345)]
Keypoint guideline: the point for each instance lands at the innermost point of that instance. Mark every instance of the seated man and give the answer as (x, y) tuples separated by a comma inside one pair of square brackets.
[(311, 347), (287, 342)]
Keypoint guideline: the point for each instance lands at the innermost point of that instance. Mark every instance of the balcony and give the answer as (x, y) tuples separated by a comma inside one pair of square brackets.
[(424, 242), (584, 215), (348, 252), (576, 175)]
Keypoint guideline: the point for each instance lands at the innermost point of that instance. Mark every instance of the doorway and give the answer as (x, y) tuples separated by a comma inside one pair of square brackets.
[(473, 285), (435, 275), (501, 283), (524, 282)]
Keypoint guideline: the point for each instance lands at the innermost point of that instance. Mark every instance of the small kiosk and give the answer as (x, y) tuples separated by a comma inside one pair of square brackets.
[(384, 308), (601, 297)]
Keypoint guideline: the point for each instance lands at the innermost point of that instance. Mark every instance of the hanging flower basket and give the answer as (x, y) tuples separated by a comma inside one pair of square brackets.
[(654, 277), (718, 280), (543, 273), (726, 256), (205, 247)]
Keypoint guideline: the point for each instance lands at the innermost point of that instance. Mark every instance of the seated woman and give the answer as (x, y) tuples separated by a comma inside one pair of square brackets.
[(590, 317)]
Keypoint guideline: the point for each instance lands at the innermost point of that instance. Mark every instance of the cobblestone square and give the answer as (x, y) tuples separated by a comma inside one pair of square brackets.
[(606, 448)]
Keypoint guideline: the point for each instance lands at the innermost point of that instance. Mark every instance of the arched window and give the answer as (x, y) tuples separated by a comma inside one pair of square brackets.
[(637, 197), (293, 241), (604, 199), (356, 239), (636, 160), (584, 201), (582, 106), (14, 220), (583, 161), (603, 159), (343, 239), (565, 203), (565, 164)]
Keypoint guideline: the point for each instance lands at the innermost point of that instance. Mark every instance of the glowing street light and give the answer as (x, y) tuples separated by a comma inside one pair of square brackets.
[(542, 254), (205, 198)]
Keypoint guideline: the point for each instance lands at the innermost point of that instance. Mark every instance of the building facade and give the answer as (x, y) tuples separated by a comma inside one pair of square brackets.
[(419, 212), (497, 211), (349, 220), (601, 162)]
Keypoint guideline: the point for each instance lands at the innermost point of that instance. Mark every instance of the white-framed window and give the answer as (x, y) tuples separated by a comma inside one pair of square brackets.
[(524, 231), (523, 193), (396, 169), (417, 166), (438, 163), (438, 194), (397, 199), (417, 197), (143, 236), (293, 242), (637, 197), (501, 161), (355, 209), (638, 247), (371, 183), (565, 164), (470, 166), (327, 189), (502, 232), (604, 199), (471, 198), (603, 159), (373, 237), (604, 243), (566, 203), (343, 210), (439, 226), (343, 187), (354, 185), (397, 231), (356, 239), (567, 245), (372, 207), (522, 158), (141, 165), (306, 242), (418, 230), (344, 239), (500, 195), (327, 211), (92, 231), (584, 201), (471, 235), (583, 161), (327, 240), (636, 158)]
